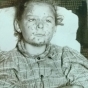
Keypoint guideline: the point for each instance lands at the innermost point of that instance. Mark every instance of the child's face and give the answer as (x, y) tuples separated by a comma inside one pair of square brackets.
[(38, 23)]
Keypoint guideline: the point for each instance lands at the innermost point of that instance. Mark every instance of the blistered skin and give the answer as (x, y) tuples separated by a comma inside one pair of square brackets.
[(38, 23)]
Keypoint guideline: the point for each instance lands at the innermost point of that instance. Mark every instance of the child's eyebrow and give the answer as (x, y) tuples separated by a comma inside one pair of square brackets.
[(30, 15), (50, 17), (37, 16)]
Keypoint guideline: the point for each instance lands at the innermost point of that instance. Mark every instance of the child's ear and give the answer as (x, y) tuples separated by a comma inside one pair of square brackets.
[(55, 29), (16, 25)]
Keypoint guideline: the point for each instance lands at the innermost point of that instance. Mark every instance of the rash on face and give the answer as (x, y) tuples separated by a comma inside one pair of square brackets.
[(29, 29)]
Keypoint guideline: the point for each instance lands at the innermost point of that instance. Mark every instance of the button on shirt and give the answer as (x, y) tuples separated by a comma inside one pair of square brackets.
[(54, 68)]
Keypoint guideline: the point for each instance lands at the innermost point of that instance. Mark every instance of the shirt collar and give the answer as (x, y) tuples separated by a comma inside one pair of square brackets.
[(22, 49)]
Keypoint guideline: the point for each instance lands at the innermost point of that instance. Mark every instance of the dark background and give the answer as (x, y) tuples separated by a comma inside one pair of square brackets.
[(79, 7)]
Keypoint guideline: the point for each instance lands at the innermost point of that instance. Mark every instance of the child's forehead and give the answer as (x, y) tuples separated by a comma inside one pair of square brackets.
[(39, 6), (31, 5)]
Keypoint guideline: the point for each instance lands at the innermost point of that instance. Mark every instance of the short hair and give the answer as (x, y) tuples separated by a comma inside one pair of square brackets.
[(20, 7)]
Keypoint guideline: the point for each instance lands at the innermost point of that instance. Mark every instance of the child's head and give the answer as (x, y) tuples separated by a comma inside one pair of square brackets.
[(36, 22)]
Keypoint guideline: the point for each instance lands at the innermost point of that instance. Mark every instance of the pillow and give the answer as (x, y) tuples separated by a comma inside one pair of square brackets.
[(65, 34), (7, 38)]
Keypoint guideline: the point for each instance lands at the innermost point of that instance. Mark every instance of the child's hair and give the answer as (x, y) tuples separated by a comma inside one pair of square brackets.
[(20, 7)]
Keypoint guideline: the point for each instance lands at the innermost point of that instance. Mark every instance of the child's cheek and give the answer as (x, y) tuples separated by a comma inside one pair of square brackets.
[(31, 26)]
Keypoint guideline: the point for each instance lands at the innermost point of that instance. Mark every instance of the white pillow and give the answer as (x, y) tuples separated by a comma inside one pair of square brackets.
[(64, 36), (7, 39)]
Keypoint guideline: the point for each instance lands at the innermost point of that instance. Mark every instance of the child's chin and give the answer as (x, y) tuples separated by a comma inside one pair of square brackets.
[(37, 44)]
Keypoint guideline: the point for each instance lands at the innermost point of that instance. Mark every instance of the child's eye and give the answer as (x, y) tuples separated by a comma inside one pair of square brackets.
[(31, 20), (49, 21)]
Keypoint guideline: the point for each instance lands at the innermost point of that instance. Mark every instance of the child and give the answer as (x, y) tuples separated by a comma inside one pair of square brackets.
[(35, 63)]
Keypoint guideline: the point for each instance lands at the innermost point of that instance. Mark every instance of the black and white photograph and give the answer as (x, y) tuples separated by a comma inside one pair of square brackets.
[(43, 43)]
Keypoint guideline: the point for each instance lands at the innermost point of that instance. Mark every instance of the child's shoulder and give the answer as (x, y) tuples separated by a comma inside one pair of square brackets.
[(8, 55)]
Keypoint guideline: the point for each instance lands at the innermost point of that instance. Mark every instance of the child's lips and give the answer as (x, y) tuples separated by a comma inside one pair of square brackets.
[(40, 35)]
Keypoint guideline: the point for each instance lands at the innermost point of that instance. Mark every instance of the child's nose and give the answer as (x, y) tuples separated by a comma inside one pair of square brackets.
[(40, 25)]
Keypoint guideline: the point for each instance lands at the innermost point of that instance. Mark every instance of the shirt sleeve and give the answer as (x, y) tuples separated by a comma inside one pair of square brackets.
[(8, 72), (75, 67)]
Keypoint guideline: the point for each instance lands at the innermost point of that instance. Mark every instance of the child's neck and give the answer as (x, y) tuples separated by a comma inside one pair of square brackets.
[(35, 50)]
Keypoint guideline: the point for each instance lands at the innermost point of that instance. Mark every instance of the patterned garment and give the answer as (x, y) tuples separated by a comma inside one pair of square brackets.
[(54, 68)]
